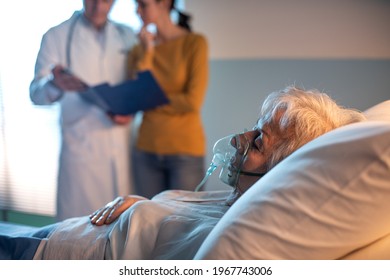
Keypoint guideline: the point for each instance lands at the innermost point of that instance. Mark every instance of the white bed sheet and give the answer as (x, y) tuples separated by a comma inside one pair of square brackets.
[(172, 225)]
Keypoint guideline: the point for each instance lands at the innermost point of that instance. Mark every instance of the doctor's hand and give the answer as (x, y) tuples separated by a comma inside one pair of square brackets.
[(121, 119), (65, 81), (112, 210)]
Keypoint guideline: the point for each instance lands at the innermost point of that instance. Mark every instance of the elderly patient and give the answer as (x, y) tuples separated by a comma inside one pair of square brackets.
[(174, 224), (288, 120)]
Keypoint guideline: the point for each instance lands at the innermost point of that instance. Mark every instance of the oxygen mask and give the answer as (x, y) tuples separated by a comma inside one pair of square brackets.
[(225, 151), (223, 154)]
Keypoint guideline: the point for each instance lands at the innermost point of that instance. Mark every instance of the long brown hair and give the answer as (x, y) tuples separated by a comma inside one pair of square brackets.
[(184, 18)]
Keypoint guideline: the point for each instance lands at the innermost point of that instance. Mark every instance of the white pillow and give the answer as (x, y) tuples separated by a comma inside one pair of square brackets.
[(379, 250), (324, 201), (379, 112)]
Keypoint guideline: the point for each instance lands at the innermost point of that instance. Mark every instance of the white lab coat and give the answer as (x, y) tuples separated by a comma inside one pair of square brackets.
[(94, 160)]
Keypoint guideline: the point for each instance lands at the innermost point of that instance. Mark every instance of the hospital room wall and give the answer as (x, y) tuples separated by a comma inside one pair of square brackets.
[(341, 47)]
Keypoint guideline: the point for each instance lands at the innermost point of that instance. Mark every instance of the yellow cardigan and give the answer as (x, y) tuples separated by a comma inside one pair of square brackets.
[(181, 68)]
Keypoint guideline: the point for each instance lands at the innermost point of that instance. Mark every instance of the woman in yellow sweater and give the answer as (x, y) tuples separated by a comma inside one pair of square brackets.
[(171, 146)]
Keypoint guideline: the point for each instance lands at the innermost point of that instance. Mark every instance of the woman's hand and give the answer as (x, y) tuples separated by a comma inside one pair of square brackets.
[(147, 38), (112, 210)]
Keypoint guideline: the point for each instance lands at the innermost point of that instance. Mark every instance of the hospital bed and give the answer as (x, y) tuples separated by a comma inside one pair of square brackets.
[(328, 200)]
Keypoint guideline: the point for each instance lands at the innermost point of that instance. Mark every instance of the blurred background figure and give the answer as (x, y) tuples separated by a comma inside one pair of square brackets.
[(87, 49), (170, 147)]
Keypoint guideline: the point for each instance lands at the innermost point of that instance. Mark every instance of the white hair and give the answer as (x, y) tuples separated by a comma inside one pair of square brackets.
[(300, 116)]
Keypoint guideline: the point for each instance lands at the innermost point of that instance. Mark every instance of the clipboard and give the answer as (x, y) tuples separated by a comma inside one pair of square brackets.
[(129, 97)]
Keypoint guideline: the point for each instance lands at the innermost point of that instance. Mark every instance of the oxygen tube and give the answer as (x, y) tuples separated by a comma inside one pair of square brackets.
[(223, 153)]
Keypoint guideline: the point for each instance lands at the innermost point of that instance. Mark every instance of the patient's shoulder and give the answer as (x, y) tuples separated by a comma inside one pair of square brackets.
[(190, 196)]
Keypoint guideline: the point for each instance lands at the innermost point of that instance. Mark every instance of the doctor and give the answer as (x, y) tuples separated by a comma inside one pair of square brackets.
[(87, 49)]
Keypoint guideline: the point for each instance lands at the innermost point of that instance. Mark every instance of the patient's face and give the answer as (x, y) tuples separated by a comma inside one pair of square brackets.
[(261, 139)]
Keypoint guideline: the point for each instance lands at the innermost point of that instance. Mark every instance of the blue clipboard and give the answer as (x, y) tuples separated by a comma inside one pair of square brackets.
[(129, 97)]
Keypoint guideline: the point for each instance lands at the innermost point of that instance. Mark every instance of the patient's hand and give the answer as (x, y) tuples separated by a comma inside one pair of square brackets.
[(112, 210)]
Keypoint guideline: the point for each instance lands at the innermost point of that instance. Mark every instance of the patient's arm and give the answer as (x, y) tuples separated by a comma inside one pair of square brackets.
[(112, 210)]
